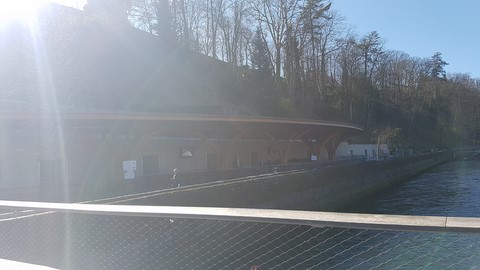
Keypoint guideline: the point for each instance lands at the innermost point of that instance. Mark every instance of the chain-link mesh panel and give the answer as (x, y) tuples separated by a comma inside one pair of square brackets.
[(90, 241)]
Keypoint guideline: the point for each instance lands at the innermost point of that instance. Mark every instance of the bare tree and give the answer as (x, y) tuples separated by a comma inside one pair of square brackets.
[(275, 16), (313, 13), (142, 15), (329, 32), (371, 47)]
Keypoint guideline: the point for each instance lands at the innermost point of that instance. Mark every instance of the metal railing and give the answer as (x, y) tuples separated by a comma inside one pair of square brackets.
[(88, 236)]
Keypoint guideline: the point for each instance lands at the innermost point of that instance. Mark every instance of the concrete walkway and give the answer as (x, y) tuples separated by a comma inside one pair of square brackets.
[(14, 265)]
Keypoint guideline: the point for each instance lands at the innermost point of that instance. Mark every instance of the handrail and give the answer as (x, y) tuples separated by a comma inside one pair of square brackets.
[(292, 217)]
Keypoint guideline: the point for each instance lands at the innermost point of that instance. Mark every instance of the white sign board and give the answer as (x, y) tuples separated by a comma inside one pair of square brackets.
[(314, 158), (129, 165), (129, 175), (129, 168)]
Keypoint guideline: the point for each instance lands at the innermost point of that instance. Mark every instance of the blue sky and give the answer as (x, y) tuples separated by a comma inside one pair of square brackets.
[(422, 27)]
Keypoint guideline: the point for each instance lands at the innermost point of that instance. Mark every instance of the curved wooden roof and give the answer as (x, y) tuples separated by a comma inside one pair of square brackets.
[(207, 126)]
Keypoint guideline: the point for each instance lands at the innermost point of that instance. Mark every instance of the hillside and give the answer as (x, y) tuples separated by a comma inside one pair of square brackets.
[(69, 59)]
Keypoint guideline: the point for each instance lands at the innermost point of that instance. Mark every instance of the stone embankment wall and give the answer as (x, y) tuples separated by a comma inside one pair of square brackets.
[(325, 189)]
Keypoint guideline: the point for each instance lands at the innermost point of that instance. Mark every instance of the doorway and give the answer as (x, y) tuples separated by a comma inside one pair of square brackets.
[(50, 170), (212, 161), (151, 165), (254, 160)]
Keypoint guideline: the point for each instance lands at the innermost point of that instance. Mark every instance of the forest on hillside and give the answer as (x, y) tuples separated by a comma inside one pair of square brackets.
[(311, 63), (298, 58)]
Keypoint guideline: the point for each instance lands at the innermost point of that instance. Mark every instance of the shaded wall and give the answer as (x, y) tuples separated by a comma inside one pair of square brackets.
[(38, 166), (324, 189)]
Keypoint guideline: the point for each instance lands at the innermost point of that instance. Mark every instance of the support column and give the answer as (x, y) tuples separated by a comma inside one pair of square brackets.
[(332, 142), (315, 144), (280, 150), (294, 137)]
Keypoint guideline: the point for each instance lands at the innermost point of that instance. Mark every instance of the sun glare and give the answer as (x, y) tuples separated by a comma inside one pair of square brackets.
[(18, 10)]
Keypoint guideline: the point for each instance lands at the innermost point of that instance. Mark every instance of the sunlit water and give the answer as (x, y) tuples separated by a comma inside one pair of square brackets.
[(451, 189)]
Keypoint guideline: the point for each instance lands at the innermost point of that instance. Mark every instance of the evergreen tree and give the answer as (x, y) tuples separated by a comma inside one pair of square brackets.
[(437, 66), (260, 57), (163, 24)]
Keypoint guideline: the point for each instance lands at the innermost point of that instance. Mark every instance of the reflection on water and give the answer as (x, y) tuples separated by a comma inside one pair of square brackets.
[(451, 189)]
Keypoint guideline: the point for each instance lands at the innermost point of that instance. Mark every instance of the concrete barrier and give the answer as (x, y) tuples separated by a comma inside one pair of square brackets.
[(326, 189), (105, 188)]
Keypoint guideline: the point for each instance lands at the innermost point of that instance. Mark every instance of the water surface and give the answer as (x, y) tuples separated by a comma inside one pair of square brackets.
[(451, 189)]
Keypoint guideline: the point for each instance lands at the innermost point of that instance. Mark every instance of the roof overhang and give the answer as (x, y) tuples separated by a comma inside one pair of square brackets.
[(180, 125)]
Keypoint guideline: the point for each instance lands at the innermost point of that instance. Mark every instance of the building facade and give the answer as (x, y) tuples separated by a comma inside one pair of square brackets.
[(98, 149)]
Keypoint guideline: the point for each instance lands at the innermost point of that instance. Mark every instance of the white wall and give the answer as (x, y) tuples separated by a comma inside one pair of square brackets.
[(343, 150)]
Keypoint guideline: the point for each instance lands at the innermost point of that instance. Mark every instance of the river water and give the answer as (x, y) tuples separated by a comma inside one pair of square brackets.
[(451, 189)]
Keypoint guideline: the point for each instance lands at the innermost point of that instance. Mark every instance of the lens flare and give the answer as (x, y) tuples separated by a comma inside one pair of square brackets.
[(18, 10)]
